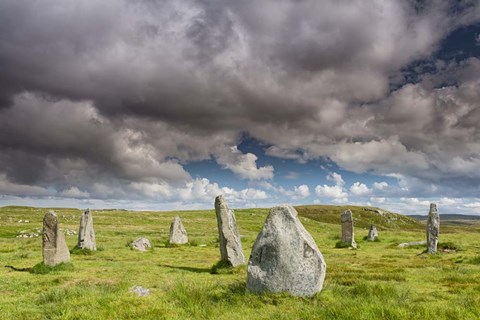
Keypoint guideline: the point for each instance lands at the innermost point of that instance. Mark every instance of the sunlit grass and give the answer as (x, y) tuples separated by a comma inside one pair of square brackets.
[(376, 281)]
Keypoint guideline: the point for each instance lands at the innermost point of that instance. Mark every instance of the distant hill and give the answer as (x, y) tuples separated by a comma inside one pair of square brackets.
[(363, 216), (448, 217)]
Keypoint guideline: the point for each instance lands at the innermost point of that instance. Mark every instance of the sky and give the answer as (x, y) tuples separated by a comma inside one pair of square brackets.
[(163, 105)]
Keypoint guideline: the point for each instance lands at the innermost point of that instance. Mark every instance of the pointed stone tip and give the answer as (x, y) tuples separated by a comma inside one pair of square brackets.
[(51, 212), (285, 208), (220, 202)]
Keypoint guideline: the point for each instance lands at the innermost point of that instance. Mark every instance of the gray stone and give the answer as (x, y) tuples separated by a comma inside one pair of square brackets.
[(140, 291), (230, 246), (178, 234), (86, 235), (285, 257), (347, 228), (55, 250), (413, 243), (433, 229), (141, 244), (372, 233)]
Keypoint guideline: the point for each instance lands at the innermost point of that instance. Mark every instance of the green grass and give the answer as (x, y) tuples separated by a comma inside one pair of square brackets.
[(41, 268), (376, 281)]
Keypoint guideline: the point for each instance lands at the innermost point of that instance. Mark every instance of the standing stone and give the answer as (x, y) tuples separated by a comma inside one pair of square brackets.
[(86, 235), (372, 233), (347, 228), (230, 246), (55, 250), (433, 228), (178, 234), (285, 257)]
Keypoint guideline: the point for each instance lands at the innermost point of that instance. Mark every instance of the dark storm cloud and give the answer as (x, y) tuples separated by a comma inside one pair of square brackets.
[(97, 95)]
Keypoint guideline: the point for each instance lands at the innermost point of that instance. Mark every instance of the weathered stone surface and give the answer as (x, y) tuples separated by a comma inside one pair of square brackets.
[(372, 233), (55, 250), (140, 291), (433, 229), (141, 244), (413, 243), (230, 246), (86, 234), (178, 234), (285, 257), (347, 228)]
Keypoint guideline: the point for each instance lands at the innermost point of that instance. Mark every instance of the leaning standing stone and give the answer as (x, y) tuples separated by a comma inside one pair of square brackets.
[(230, 246), (347, 228), (55, 250), (86, 235), (433, 228), (178, 234), (372, 233), (285, 257)]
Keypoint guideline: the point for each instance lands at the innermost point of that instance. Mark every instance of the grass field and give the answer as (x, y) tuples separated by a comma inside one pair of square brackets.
[(376, 281)]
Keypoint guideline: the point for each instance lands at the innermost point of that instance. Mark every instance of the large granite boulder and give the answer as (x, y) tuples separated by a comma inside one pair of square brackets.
[(230, 245), (433, 229), (285, 257), (347, 228), (372, 233), (178, 234), (86, 235), (55, 250)]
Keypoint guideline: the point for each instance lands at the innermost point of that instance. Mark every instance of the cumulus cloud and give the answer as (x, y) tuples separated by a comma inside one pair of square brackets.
[(74, 192), (337, 178), (336, 193), (113, 98), (360, 189), (243, 165)]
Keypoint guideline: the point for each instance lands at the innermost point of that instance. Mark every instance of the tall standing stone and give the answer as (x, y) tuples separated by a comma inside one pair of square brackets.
[(347, 228), (433, 228), (86, 234), (230, 245), (285, 257), (55, 250), (372, 233), (178, 234)]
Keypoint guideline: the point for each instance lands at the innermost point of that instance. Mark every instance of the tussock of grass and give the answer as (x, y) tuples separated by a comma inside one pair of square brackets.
[(341, 244), (474, 260), (222, 267), (449, 246), (81, 251), (41, 268)]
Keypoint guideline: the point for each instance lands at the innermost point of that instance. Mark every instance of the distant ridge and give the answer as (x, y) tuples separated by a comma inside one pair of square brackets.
[(363, 216), (447, 217)]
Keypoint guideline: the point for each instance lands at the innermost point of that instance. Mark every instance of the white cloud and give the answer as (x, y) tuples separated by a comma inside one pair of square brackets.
[(301, 192), (380, 185), (243, 165), (337, 178), (337, 193), (74, 192), (360, 189), (378, 199)]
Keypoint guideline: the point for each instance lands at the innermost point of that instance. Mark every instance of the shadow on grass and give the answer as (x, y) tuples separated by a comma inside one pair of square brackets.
[(190, 269), (41, 268)]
